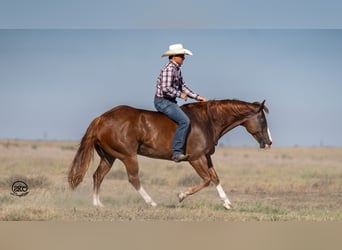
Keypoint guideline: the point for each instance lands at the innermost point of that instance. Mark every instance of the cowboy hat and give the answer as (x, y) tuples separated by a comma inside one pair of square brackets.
[(177, 49)]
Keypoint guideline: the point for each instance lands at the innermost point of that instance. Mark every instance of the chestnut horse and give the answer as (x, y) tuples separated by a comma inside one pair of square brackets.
[(124, 132)]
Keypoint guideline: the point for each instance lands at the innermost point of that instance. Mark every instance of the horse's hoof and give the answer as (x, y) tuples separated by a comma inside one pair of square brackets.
[(227, 206), (181, 196), (153, 204)]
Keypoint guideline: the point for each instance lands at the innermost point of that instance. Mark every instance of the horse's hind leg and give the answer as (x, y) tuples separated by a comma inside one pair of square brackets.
[(132, 168), (105, 165)]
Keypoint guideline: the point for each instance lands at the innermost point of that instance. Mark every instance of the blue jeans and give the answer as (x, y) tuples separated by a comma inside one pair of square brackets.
[(174, 112)]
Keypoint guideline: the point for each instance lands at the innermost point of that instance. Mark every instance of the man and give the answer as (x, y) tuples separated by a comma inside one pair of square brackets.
[(170, 85)]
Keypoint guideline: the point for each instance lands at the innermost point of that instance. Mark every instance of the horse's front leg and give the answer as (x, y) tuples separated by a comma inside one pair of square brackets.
[(201, 167), (192, 190), (206, 170), (222, 194)]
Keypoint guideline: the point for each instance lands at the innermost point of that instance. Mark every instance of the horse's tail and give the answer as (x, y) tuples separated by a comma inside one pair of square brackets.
[(83, 156)]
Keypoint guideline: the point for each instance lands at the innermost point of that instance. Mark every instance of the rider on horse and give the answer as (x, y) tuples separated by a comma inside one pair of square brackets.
[(170, 85)]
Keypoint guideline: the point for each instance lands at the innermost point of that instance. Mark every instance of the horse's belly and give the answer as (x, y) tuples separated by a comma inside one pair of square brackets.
[(163, 152)]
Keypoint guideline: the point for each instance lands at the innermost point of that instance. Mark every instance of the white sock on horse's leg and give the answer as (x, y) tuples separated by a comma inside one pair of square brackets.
[(96, 200), (223, 196), (146, 197)]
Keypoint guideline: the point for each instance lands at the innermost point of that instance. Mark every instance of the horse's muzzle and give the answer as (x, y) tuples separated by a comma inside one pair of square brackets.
[(265, 145)]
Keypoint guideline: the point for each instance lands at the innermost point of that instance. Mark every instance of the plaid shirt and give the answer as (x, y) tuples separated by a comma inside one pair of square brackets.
[(170, 83)]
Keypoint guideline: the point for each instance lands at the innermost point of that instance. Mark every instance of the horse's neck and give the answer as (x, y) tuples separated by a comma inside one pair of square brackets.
[(227, 117)]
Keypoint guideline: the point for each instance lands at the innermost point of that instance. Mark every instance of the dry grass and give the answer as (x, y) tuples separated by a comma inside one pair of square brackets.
[(282, 184)]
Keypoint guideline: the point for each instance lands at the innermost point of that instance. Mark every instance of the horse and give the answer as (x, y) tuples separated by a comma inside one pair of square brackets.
[(125, 132)]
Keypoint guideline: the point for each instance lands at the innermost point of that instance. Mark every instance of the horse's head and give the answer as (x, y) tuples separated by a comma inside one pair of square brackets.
[(256, 125)]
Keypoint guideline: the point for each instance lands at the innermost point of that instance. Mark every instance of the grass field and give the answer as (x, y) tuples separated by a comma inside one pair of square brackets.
[(281, 184)]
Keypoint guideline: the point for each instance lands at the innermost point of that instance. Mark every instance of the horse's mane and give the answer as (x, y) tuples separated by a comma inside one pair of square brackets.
[(235, 105)]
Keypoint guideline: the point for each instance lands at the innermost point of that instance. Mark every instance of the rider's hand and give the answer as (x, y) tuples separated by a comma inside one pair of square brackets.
[(184, 96), (201, 98)]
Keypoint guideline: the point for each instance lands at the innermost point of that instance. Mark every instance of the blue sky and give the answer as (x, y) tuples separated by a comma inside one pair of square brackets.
[(57, 74), (125, 14)]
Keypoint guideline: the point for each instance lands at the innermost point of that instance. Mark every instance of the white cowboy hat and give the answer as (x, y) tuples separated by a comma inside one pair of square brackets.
[(177, 49)]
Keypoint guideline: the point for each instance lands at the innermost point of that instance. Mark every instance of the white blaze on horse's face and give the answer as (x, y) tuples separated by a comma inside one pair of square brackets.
[(269, 137), (269, 134)]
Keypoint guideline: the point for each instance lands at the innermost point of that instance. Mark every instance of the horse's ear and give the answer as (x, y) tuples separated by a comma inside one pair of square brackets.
[(263, 103), (263, 107)]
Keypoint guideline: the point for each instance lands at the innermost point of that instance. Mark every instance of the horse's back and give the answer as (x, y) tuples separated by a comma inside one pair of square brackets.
[(132, 130), (126, 110), (118, 111)]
